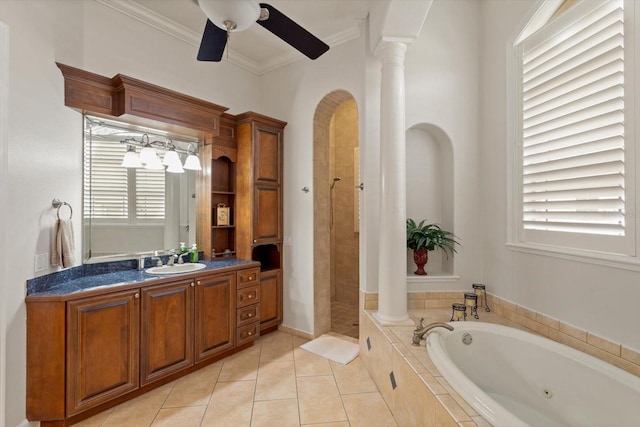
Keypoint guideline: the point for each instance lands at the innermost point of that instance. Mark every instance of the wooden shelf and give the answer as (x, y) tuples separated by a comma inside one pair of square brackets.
[(231, 193)]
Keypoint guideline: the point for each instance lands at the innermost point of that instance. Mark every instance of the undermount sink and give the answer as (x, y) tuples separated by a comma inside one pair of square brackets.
[(176, 268)]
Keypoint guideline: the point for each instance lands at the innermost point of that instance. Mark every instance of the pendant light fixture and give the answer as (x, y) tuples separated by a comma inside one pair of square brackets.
[(149, 159), (131, 159), (192, 162), (148, 154), (172, 159)]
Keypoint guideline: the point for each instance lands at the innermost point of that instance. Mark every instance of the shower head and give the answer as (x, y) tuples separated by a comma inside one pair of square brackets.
[(336, 179)]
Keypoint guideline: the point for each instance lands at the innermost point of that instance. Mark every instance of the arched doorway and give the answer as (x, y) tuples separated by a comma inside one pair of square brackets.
[(335, 201)]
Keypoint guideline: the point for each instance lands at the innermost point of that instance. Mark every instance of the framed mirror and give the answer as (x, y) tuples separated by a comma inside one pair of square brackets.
[(132, 205)]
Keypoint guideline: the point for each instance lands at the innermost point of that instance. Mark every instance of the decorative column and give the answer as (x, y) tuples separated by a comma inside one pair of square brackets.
[(392, 265)]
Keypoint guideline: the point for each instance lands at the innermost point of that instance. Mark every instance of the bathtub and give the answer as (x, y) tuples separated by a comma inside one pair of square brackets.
[(513, 378)]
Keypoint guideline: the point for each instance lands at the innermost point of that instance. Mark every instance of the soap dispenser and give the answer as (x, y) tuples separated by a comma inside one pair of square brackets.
[(193, 256)]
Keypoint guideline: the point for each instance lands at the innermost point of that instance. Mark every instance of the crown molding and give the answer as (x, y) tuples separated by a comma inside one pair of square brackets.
[(172, 28)]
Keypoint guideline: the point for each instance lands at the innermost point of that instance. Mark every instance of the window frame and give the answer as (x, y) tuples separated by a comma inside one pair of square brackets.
[(578, 246)]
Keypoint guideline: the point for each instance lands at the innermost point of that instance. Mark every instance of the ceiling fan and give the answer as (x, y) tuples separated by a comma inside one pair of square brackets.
[(227, 16)]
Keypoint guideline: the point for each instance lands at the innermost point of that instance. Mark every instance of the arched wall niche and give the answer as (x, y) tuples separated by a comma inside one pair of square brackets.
[(430, 188)]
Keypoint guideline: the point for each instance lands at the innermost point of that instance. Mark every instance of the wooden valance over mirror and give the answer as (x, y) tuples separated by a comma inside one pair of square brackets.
[(142, 103)]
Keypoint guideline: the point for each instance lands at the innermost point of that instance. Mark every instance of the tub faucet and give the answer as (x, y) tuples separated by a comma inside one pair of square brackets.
[(419, 332)]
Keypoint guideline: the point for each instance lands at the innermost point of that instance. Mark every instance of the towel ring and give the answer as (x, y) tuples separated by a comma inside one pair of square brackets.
[(57, 204)]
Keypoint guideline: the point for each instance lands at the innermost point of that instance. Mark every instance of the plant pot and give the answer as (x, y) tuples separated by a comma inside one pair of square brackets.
[(420, 257)]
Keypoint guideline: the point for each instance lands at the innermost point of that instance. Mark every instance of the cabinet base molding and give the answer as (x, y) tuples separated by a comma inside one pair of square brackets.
[(108, 405)]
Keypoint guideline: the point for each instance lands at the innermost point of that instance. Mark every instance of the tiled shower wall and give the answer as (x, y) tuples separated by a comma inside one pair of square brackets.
[(343, 139)]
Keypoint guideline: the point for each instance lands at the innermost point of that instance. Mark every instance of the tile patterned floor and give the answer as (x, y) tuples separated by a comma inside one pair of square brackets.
[(344, 319), (272, 384)]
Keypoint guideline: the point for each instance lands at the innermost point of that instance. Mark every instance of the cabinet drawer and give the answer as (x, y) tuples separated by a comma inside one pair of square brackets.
[(248, 333), (248, 277), (248, 314), (247, 296)]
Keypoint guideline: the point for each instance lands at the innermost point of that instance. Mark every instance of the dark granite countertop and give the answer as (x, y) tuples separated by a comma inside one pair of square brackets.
[(89, 277)]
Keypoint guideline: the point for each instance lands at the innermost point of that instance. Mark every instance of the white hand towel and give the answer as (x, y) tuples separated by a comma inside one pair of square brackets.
[(63, 248)]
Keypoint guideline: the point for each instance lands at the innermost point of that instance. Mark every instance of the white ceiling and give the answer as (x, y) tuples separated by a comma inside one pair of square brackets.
[(255, 49)]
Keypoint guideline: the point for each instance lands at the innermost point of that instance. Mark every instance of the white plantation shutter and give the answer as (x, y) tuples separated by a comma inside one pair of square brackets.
[(108, 197), (573, 125), (149, 193), (118, 194)]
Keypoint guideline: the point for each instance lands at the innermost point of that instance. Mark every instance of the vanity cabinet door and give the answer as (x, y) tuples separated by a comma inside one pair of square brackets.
[(102, 348), (267, 224), (215, 311), (270, 298), (166, 344)]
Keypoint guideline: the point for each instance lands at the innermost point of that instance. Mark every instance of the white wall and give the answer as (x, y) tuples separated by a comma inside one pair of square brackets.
[(45, 137), (585, 295), (442, 89), (441, 74), (4, 119), (292, 94)]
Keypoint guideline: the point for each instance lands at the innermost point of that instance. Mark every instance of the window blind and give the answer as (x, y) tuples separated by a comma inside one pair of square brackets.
[(108, 196), (149, 193), (573, 126), (119, 194)]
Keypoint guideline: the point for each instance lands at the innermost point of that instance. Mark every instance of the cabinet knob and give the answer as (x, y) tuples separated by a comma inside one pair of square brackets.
[(250, 278), (255, 241), (137, 295), (199, 283), (250, 296), (192, 284), (249, 333), (250, 315)]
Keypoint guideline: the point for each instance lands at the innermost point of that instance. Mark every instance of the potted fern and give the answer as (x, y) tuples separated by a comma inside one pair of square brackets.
[(423, 238)]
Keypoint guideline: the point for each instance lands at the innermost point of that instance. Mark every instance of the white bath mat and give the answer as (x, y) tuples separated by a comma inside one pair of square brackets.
[(333, 348)]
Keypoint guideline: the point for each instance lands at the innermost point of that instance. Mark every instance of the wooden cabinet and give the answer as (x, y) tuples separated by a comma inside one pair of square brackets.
[(259, 181), (259, 205), (215, 186), (87, 353), (215, 312), (166, 344), (102, 348), (248, 302), (270, 298)]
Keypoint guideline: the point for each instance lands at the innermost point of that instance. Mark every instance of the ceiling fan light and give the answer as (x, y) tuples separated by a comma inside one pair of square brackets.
[(192, 163), (243, 13)]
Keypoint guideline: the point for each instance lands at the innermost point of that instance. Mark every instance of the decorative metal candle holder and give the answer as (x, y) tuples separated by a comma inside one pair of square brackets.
[(481, 291), (471, 300), (458, 311)]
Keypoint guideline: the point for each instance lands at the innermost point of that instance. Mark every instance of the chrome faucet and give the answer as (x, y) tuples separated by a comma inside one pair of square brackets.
[(180, 259), (172, 257), (420, 331)]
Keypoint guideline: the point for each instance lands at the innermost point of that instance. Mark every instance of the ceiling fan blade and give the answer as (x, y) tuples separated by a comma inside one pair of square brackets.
[(214, 40), (292, 33)]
